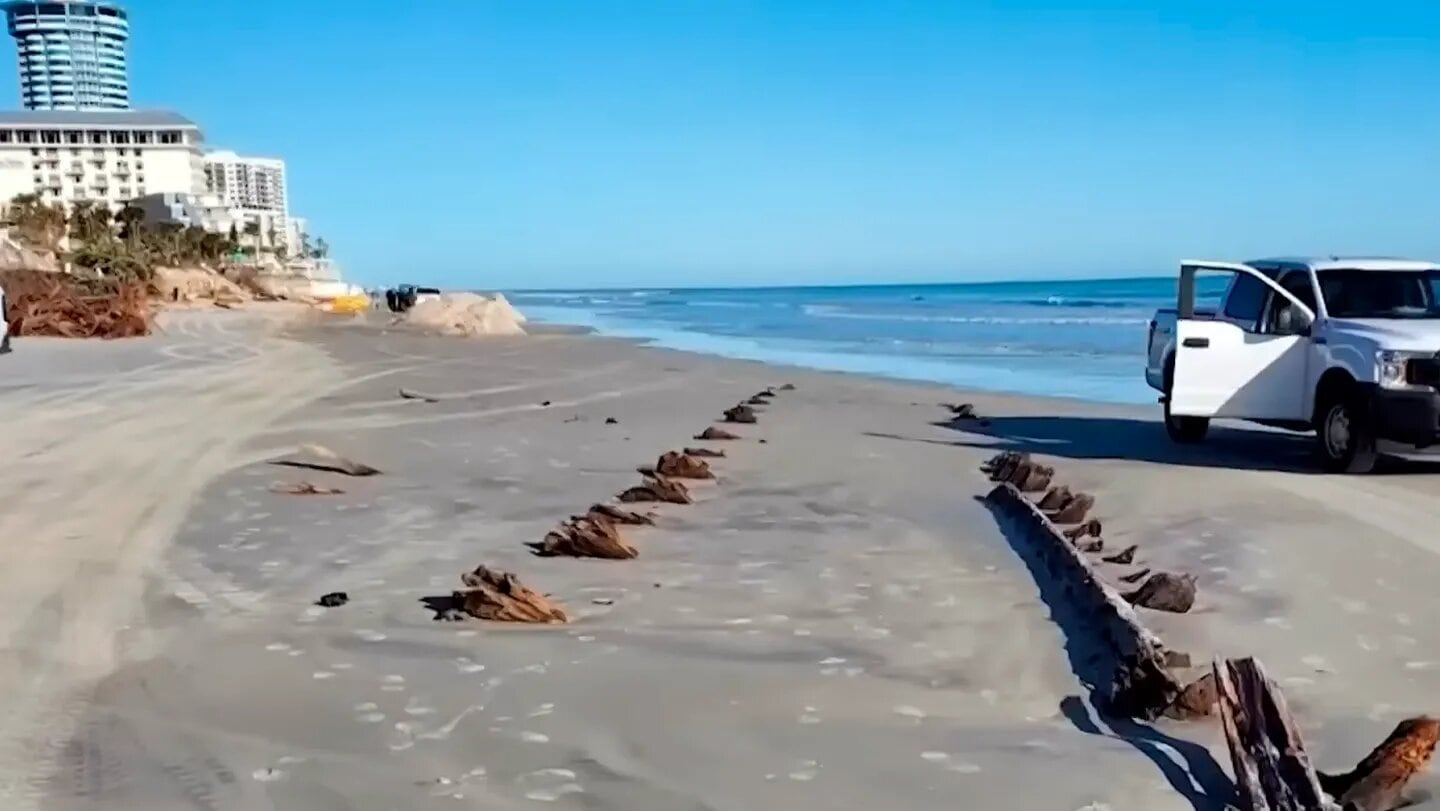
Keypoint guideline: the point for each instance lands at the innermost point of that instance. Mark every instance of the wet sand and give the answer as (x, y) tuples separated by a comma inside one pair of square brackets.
[(836, 623)]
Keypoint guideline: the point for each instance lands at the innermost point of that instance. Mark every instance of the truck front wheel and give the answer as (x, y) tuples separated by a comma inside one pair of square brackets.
[(1345, 435)]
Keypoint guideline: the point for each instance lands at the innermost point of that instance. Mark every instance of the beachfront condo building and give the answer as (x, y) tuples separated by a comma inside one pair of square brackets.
[(72, 54), (106, 155), (255, 187)]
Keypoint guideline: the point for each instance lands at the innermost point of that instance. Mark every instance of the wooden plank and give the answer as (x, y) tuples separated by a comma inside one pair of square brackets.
[(1272, 769), (1143, 686)]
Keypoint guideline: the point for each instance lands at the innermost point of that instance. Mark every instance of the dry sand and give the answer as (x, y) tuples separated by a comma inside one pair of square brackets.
[(836, 624)]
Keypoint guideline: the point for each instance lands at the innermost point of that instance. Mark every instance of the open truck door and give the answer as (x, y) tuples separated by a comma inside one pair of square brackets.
[(1227, 368)]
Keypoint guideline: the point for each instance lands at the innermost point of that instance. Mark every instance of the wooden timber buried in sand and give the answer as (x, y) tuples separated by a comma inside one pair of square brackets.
[(499, 596), (319, 457), (1143, 686), (741, 414), (1273, 771), (681, 466), (621, 516), (589, 536), (709, 453), (657, 488)]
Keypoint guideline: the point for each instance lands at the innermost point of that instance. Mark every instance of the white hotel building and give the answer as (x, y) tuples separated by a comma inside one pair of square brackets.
[(255, 187), (104, 155)]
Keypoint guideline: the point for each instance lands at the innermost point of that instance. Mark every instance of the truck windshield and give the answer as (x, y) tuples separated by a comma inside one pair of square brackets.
[(1381, 293)]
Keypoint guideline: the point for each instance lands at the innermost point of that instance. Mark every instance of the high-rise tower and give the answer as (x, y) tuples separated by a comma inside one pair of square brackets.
[(72, 54)]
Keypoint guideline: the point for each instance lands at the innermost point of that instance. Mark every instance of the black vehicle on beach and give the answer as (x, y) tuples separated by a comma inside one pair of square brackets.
[(402, 298)]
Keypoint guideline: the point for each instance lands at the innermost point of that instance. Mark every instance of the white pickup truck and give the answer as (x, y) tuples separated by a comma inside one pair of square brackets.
[(1346, 347)]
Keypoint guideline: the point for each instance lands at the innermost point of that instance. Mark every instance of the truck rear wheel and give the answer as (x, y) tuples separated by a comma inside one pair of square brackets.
[(1345, 436), (1183, 430)]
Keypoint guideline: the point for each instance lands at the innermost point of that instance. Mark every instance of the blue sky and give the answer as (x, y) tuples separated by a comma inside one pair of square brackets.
[(596, 143)]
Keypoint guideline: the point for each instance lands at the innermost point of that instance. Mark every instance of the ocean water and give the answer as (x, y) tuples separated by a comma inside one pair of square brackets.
[(1077, 338)]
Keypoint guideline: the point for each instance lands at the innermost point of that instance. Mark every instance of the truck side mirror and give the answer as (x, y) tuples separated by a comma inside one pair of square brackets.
[(1290, 321)]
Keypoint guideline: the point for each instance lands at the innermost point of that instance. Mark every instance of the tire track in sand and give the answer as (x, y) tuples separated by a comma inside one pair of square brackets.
[(90, 513)]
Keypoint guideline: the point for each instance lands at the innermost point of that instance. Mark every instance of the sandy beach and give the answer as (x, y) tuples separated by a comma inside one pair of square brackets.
[(836, 623)]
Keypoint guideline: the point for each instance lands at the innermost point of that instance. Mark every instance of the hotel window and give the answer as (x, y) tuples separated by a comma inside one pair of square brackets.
[(6, 136), (50, 137)]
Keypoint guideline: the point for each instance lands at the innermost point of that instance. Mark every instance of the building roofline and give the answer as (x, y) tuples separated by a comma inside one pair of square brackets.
[(71, 119)]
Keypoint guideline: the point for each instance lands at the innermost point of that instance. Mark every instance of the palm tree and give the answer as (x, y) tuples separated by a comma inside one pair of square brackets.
[(90, 223), (167, 240), (252, 230), (130, 218), (37, 222), (322, 248), (192, 242), (213, 246)]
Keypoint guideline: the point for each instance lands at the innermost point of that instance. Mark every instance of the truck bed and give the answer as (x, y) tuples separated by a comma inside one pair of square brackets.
[(1161, 342), (1202, 314)]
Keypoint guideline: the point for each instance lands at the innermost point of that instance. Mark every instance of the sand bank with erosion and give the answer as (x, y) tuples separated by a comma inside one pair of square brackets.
[(836, 623)]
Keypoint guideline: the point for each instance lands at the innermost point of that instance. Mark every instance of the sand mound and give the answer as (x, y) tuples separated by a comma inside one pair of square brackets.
[(193, 283), (504, 304), (466, 314)]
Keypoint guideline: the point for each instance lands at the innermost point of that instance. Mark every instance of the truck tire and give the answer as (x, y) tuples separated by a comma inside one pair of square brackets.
[(1185, 430), (1182, 430), (1345, 434)]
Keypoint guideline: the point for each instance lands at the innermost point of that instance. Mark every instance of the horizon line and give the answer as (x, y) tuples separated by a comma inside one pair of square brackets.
[(844, 286)]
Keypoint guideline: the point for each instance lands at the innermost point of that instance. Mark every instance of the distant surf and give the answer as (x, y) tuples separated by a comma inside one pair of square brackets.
[(1079, 338)]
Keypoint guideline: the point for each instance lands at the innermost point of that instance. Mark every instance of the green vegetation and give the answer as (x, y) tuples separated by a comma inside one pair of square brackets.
[(124, 246), (38, 224)]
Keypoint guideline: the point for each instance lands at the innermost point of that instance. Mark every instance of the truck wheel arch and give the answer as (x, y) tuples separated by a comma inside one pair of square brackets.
[(1334, 383)]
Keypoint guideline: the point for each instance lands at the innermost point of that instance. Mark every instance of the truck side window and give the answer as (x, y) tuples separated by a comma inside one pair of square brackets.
[(1245, 301), (1297, 284)]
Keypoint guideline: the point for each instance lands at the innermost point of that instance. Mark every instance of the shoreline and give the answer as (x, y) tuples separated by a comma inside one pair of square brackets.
[(840, 617), (943, 388), (702, 343), (1072, 338)]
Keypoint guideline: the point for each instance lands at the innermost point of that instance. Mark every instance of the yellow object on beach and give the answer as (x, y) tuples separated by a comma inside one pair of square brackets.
[(350, 304)]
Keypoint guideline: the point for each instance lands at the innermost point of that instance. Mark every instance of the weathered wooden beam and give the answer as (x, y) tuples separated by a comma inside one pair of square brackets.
[(1143, 686), (1273, 771), (1377, 782)]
